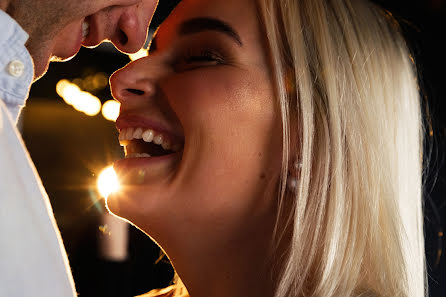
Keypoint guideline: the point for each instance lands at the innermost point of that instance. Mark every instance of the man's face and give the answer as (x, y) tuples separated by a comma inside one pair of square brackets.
[(66, 25)]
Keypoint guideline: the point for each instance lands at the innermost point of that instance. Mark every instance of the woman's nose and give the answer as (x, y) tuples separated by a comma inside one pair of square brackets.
[(134, 82)]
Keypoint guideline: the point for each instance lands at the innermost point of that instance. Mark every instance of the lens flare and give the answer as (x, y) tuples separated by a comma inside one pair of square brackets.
[(107, 182)]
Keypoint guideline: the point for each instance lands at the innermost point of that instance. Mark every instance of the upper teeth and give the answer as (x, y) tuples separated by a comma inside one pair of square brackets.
[(148, 135), (85, 29)]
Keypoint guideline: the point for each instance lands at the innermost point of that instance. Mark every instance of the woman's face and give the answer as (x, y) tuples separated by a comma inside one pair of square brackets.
[(206, 88)]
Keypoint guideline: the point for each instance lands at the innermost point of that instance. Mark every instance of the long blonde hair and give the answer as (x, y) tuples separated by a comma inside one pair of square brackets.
[(349, 100)]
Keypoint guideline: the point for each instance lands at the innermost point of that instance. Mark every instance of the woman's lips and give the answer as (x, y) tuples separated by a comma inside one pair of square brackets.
[(140, 170)]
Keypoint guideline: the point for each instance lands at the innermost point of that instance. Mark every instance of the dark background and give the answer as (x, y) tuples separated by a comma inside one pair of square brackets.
[(70, 149)]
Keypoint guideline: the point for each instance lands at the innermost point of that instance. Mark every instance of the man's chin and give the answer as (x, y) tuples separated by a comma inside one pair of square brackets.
[(41, 68)]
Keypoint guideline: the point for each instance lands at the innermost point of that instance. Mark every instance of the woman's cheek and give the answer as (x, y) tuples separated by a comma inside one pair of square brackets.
[(205, 88)]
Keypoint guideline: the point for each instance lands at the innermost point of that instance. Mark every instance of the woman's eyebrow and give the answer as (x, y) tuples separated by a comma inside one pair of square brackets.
[(196, 25)]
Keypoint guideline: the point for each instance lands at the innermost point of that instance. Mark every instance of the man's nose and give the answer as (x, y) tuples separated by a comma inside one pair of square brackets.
[(131, 30), (126, 27)]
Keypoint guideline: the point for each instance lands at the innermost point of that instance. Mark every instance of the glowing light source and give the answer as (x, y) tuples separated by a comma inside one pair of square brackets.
[(110, 110), (139, 54), (68, 91), (88, 104), (80, 100), (61, 86), (107, 182)]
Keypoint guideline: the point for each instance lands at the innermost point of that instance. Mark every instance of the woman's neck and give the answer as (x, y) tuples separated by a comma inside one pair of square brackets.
[(242, 269)]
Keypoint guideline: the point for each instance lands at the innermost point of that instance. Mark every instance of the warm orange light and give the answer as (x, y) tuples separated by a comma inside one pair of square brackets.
[(68, 91), (81, 101), (107, 182), (88, 104), (110, 110), (100, 80)]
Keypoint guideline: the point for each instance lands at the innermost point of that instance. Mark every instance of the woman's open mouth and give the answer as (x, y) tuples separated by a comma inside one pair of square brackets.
[(150, 155)]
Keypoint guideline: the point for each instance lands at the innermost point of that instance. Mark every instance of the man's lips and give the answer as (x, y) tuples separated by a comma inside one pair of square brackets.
[(68, 42), (91, 36)]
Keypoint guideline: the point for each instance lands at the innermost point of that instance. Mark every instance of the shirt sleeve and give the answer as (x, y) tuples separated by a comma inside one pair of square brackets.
[(16, 65)]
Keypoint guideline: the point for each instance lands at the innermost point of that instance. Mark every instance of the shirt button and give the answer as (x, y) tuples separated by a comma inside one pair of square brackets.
[(16, 68)]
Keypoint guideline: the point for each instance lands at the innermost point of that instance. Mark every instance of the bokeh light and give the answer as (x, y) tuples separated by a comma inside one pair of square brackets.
[(88, 104), (100, 80), (61, 86), (68, 91), (81, 101), (110, 110), (107, 182)]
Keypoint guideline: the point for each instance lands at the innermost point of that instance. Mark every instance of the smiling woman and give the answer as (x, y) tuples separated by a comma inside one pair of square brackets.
[(273, 149)]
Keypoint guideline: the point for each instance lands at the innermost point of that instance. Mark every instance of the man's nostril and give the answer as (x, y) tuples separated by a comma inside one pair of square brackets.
[(123, 38), (135, 91)]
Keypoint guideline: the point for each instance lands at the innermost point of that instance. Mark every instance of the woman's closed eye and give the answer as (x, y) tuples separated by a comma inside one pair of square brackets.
[(194, 59)]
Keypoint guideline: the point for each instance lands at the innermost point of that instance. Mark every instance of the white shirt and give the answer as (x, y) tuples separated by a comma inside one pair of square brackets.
[(33, 261)]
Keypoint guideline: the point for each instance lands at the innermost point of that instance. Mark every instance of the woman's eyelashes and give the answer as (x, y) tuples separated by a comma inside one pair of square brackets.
[(193, 59)]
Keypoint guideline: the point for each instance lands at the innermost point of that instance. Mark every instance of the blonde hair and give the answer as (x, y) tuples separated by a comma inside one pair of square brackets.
[(351, 117)]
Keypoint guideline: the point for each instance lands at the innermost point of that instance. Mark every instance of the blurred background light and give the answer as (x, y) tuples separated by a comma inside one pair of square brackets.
[(110, 110), (107, 182), (88, 104), (100, 80), (73, 95), (139, 54), (68, 91)]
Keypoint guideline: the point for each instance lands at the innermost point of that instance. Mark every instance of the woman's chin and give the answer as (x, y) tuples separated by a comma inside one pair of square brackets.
[(126, 206), (113, 203)]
